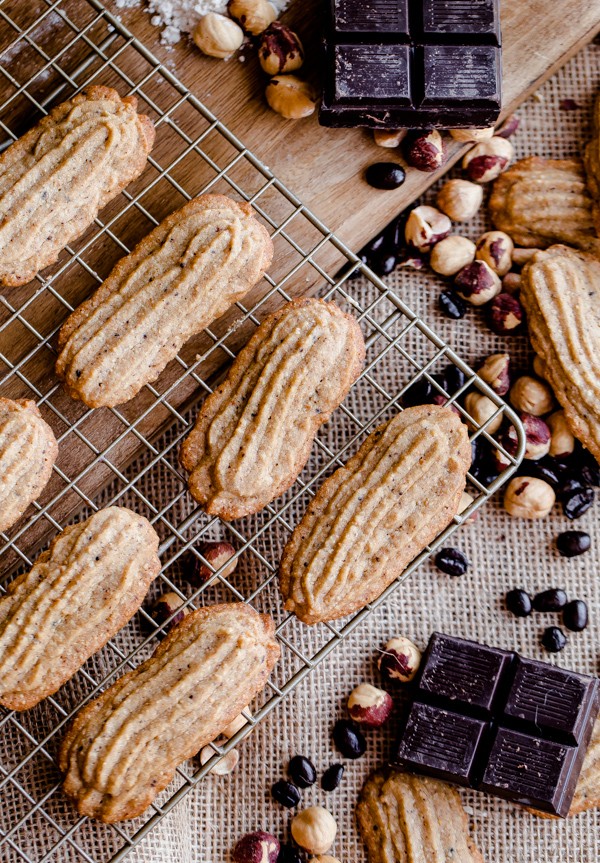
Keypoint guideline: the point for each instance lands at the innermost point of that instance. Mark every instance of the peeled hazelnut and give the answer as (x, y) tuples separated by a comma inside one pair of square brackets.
[(528, 497), (389, 138), (235, 725), (509, 127), (225, 766), (323, 858), (523, 256), (505, 314), (468, 136), (562, 442), (537, 438), (314, 829), (254, 15), (511, 283), (370, 706), (216, 554), (480, 408), (164, 606), (425, 227), (465, 502), (256, 847), (400, 659), (495, 371), (217, 35), (460, 200), (290, 97), (280, 50), (495, 248), (488, 159), (531, 396), (424, 151), (477, 283), (452, 254)]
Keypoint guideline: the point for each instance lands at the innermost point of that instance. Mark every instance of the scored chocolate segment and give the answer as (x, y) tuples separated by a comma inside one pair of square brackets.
[(381, 74), (368, 16), (468, 74), (461, 17)]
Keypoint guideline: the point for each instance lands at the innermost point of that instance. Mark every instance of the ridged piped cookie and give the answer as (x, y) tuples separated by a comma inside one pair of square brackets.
[(28, 450), (376, 513), (58, 176), (77, 595), (181, 277), (253, 435), (560, 291), (123, 748)]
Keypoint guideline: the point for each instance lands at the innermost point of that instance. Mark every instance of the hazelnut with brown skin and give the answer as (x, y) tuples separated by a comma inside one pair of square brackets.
[(511, 284), (505, 314), (389, 138), (314, 829), (400, 659), (495, 371), (488, 159), (425, 227), (254, 15), (460, 199), (280, 50), (452, 254), (523, 256), (259, 847), (369, 705), (509, 127), (531, 396), (424, 150), (495, 248), (216, 554), (528, 497), (481, 408), (164, 606), (218, 36), (477, 283), (291, 97), (537, 438), (562, 442)]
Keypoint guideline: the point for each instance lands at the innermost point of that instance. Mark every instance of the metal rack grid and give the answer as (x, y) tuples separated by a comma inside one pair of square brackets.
[(49, 51)]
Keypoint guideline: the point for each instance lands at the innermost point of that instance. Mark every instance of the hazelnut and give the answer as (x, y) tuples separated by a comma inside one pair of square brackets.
[(481, 409), (323, 858), (562, 442), (465, 502), (400, 659), (539, 366), (477, 283), (370, 706), (537, 438), (509, 127), (511, 283), (460, 200), (314, 829), (424, 150), (164, 606), (217, 35), (235, 725), (505, 314), (216, 555), (256, 847), (472, 136), (280, 50), (495, 248), (523, 256), (225, 766), (425, 227), (290, 97), (411, 262), (452, 254), (488, 159), (495, 371), (389, 138), (531, 396), (528, 497), (254, 15)]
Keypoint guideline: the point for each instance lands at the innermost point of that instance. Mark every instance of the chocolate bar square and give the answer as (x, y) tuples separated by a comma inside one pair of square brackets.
[(371, 16), (379, 75), (462, 18)]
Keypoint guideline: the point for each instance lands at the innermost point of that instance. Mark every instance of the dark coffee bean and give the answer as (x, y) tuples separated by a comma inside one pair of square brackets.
[(568, 486), (452, 379), (575, 615), (579, 502), (452, 305), (451, 561), (287, 854), (418, 393), (394, 234), (554, 639), (302, 771), (332, 777), (518, 602), (349, 739), (375, 245), (540, 471), (590, 471), (384, 264), (385, 175), (285, 793), (550, 600), (571, 543)]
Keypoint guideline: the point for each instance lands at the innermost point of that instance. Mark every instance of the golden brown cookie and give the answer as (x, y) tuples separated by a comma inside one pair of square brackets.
[(28, 450), (591, 161), (181, 277), (560, 291), (253, 435), (123, 748), (376, 513), (56, 178), (411, 819)]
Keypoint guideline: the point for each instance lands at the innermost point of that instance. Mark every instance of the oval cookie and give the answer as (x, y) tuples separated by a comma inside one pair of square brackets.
[(376, 513), (123, 748), (253, 435), (77, 595), (181, 277)]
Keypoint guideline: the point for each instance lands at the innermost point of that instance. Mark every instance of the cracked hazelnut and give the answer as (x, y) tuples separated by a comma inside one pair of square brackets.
[(164, 606), (537, 438), (225, 766), (218, 36), (481, 408), (400, 659), (389, 138), (477, 283), (259, 847), (528, 497), (472, 136), (280, 50), (511, 283), (452, 254), (425, 227), (216, 554), (495, 248), (509, 127), (254, 15), (424, 150), (290, 97), (235, 724), (314, 829), (523, 256), (488, 159), (460, 199), (531, 396), (369, 706), (495, 371), (562, 442), (505, 314)]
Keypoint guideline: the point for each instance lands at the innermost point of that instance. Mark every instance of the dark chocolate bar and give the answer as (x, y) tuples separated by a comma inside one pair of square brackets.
[(412, 64), (492, 720)]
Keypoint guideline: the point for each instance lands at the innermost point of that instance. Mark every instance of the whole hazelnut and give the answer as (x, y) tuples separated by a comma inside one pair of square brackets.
[(531, 396), (472, 136), (254, 15), (425, 227), (481, 409), (164, 606), (460, 200), (528, 497), (424, 150), (256, 847), (216, 555), (225, 765), (314, 829), (539, 366), (291, 97), (511, 283), (562, 442), (488, 159), (370, 706), (495, 371), (235, 725), (537, 438), (452, 254), (505, 314), (400, 659), (218, 36), (389, 138), (523, 256), (280, 50), (509, 127), (477, 283), (495, 248)]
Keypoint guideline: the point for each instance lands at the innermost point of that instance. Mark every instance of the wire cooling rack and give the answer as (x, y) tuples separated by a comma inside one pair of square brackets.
[(50, 49)]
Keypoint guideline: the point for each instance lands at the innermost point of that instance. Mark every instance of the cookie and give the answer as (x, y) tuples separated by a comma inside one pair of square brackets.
[(77, 595), (376, 513), (28, 450), (560, 291), (539, 202), (591, 161), (181, 277), (412, 819), (254, 434), (123, 748), (57, 177)]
